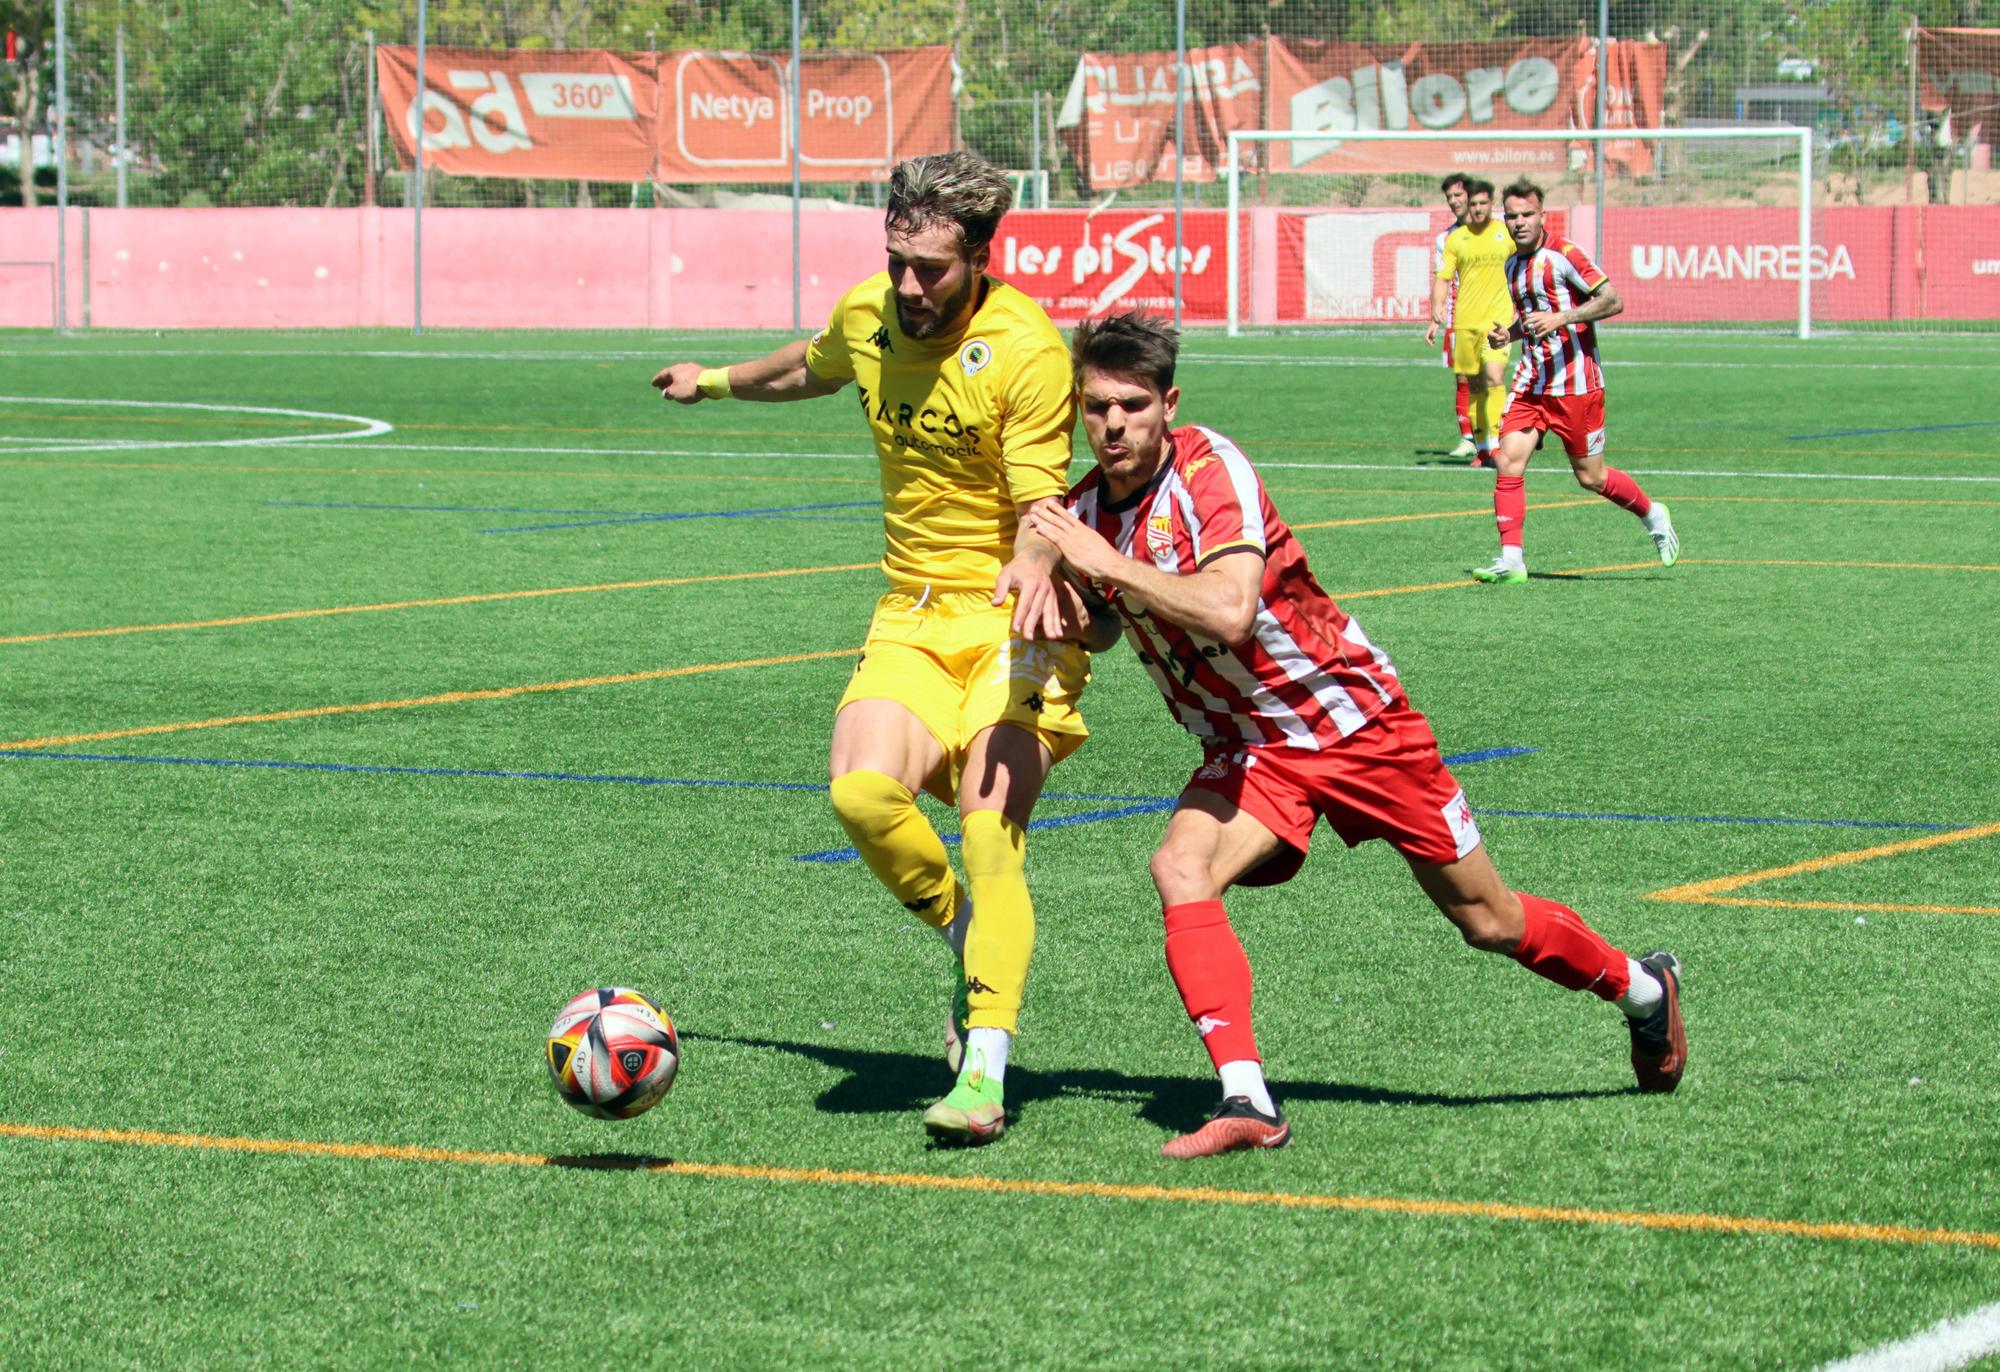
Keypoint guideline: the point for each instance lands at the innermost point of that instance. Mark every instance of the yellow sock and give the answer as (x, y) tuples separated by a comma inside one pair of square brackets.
[(898, 844), (1002, 937), (1486, 412)]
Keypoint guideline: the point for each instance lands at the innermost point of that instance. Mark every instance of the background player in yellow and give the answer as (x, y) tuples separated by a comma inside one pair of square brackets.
[(966, 389), (1475, 255)]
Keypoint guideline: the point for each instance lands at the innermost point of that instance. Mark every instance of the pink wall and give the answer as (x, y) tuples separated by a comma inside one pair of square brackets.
[(298, 268)]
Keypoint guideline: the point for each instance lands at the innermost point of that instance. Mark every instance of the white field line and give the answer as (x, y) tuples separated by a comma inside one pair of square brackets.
[(1426, 360), (1402, 468), (1946, 1344), (367, 428)]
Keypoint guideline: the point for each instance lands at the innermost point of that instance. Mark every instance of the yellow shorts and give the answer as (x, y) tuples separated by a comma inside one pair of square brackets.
[(952, 659), (1470, 353)]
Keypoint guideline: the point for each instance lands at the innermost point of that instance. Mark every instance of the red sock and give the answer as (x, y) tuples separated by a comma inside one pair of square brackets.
[(1557, 944), (1212, 974), (1622, 490), (1465, 407), (1510, 507)]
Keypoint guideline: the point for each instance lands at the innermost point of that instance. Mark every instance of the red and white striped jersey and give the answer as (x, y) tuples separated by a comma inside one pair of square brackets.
[(1556, 276), (1307, 676)]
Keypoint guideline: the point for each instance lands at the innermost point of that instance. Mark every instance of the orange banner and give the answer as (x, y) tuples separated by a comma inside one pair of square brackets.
[(1958, 70), (1117, 120), (672, 116)]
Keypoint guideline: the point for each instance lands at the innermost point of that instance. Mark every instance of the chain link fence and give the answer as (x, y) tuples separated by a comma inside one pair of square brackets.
[(672, 105)]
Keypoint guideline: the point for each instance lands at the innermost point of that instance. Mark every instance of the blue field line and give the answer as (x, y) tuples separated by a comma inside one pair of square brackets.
[(699, 514), (1140, 805), (439, 509), (1904, 429)]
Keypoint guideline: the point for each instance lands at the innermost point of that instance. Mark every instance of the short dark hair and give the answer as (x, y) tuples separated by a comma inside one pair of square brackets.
[(941, 188), (1524, 189), (1476, 186), (1455, 179), (1131, 344)]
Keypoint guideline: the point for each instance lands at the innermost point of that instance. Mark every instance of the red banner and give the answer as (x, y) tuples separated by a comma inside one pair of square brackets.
[(1075, 264), (1118, 117), (1959, 70), (673, 116)]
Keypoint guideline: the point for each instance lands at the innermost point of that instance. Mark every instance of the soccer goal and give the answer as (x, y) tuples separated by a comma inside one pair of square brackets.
[(1695, 226)]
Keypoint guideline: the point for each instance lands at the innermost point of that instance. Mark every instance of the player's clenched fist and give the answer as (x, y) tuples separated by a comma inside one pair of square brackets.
[(680, 382)]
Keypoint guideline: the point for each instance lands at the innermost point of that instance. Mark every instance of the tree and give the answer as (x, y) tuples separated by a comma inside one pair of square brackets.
[(33, 21)]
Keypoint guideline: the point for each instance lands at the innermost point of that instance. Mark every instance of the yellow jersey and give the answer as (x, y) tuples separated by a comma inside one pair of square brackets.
[(1479, 261), (967, 426)]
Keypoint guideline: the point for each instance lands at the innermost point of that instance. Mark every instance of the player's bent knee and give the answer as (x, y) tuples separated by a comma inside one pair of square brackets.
[(1590, 479), (1180, 874), (1485, 928), (869, 803)]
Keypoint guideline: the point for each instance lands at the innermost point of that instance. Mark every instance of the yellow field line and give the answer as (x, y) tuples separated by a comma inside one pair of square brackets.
[(1712, 891), (1484, 510), (425, 604), (1874, 566), (444, 698), (1697, 1222)]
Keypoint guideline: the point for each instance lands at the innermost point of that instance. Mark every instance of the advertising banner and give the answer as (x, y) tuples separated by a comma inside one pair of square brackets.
[(1075, 264), (672, 116), (1362, 266), (1959, 70), (1117, 120), (1349, 90)]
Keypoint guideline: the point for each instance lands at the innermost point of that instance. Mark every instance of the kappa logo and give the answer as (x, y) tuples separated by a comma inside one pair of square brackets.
[(974, 356), (880, 338), (973, 983), (1218, 766), (1208, 1024)]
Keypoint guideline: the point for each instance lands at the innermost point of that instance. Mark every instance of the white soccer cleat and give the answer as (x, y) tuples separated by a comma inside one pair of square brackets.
[(1661, 527), (1466, 448)]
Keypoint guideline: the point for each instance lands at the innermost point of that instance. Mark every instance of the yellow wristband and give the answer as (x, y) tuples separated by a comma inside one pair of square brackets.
[(714, 383)]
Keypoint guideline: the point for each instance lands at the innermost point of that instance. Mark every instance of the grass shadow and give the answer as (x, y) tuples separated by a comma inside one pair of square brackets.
[(876, 1082)]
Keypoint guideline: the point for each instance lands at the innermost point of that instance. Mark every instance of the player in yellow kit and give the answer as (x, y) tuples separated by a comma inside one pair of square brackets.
[(1475, 256), (966, 389)]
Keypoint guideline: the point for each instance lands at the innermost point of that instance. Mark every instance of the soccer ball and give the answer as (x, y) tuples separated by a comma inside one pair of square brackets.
[(612, 1053)]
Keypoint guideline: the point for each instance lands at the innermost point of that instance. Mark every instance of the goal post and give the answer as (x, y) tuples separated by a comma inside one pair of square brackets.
[(1352, 158)]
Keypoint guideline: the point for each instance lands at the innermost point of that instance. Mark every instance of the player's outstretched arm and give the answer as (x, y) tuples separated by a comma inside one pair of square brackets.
[(783, 375), (1030, 577)]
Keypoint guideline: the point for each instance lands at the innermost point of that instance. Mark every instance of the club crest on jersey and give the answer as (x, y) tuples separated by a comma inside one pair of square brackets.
[(1160, 535), (974, 356)]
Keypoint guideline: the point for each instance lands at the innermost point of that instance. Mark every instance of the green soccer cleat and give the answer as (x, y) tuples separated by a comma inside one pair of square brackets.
[(954, 1025), (1500, 573), (975, 1111), (1664, 538)]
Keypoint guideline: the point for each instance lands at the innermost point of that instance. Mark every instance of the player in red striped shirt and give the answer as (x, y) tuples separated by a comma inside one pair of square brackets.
[(1300, 716), (1559, 294)]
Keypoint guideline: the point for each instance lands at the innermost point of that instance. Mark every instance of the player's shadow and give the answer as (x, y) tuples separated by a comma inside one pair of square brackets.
[(1438, 457), (880, 1083)]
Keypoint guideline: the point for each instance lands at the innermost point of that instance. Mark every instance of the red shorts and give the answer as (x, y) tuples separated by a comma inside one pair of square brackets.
[(1578, 420), (1385, 780)]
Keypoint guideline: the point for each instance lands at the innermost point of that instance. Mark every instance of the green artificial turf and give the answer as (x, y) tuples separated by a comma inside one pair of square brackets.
[(365, 949)]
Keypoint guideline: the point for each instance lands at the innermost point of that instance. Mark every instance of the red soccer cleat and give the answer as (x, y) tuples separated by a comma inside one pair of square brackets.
[(1235, 1124)]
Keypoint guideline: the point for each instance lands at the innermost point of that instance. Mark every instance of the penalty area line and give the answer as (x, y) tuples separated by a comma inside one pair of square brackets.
[(1949, 1343), (1423, 1207)]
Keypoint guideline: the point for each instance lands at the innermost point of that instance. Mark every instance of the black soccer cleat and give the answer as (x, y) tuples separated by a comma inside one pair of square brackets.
[(1659, 1041)]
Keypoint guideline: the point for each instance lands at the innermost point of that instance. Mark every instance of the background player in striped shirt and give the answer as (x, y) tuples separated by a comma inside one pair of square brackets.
[(965, 387), (1559, 294), (1299, 716), (1469, 300), (1453, 187)]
